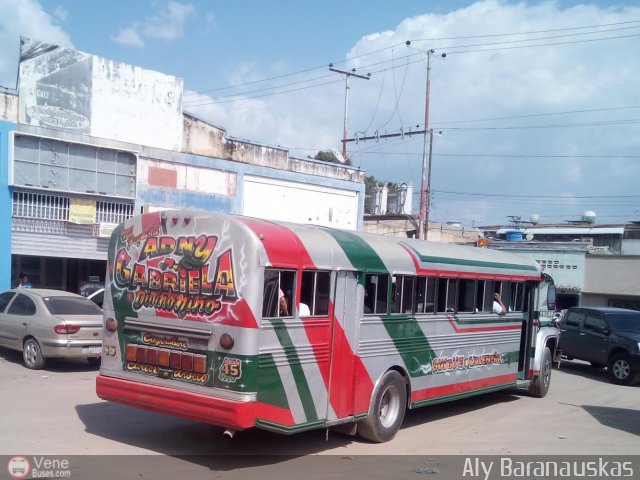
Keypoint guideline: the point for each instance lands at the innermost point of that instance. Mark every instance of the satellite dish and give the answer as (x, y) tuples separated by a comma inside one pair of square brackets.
[(338, 155)]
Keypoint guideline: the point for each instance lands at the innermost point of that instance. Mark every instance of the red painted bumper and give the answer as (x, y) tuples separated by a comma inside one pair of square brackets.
[(203, 408)]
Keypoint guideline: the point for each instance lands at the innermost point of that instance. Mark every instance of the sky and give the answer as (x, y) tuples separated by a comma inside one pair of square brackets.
[(535, 108)]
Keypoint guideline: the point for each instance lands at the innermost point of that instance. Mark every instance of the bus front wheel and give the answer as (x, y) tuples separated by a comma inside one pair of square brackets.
[(540, 385), (387, 409)]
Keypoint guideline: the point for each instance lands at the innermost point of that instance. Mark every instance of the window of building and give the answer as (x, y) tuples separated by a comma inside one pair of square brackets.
[(279, 290), (375, 294), (314, 293), (73, 167)]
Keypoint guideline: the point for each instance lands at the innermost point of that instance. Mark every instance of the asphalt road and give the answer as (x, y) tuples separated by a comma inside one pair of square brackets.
[(56, 412)]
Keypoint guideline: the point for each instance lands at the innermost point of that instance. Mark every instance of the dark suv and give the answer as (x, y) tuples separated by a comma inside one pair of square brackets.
[(605, 337)]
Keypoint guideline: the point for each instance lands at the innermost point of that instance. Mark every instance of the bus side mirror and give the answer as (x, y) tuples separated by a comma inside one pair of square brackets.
[(551, 297)]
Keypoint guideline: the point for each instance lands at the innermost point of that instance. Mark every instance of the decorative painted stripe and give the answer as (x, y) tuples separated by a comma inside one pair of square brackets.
[(238, 314), (452, 322), (282, 246), (271, 390), (447, 392), (364, 258), (361, 255), (296, 369), (286, 429), (350, 380), (268, 413), (471, 263), (435, 272)]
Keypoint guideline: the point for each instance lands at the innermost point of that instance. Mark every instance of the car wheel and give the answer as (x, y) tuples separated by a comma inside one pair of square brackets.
[(620, 369), (540, 385), (32, 354), (94, 361), (387, 409), (598, 364)]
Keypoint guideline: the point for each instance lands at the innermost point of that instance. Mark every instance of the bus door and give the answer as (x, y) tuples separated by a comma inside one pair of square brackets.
[(527, 337), (345, 318)]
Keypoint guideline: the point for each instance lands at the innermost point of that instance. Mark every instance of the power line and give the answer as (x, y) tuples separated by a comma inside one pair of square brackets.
[(532, 196), (512, 117), (527, 33), (372, 52), (450, 50), (490, 155)]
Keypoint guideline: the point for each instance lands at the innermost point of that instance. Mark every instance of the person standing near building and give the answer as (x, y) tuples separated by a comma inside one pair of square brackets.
[(23, 281)]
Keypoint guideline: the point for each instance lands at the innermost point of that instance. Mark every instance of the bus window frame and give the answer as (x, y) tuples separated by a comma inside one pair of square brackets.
[(278, 286)]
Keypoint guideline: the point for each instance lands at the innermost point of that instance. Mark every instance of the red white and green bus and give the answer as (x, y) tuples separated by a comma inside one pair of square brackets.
[(241, 322)]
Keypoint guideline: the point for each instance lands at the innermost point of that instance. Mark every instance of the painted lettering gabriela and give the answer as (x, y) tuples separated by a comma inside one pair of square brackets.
[(173, 273)]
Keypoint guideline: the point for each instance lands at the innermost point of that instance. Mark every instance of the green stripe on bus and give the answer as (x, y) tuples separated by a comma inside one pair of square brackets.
[(287, 430), (296, 369), (473, 321), (471, 263), (361, 255), (405, 332), (270, 388)]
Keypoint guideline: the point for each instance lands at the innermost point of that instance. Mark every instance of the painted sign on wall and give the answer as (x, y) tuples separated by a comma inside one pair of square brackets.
[(68, 90)]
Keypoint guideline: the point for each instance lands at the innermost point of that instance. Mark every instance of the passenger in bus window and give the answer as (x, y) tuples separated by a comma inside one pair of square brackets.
[(304, 311), (498, 305), (283, 304)]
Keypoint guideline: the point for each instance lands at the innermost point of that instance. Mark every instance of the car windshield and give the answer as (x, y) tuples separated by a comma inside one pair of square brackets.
[(625, 321), (71, 306)]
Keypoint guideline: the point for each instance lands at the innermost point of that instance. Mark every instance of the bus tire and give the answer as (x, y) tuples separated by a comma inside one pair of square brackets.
[(387, 409), (540, 385)]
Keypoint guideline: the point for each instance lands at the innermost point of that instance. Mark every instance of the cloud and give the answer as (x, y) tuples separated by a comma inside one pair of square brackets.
[(60, 13), (130, 37), (167, 25), (534, 151), (26, 18)]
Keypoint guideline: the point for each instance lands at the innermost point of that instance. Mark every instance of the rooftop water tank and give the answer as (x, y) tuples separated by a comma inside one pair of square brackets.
[(514, 235)]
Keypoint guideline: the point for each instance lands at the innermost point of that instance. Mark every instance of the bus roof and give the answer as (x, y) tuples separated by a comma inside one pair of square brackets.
[(311, 246)]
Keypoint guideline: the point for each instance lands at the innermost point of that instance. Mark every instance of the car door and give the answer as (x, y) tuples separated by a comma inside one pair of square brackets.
[(570, 333), (6, 338), (595, 344), (19, 319)]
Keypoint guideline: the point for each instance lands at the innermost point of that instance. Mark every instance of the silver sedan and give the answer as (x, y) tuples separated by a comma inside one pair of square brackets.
[(45, 323)]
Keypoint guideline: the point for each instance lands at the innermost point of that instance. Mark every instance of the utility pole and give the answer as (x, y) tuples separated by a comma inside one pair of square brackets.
[(425, 190), (347, 75)]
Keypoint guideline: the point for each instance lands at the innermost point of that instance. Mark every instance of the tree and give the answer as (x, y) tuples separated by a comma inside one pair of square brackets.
[(329, 156)]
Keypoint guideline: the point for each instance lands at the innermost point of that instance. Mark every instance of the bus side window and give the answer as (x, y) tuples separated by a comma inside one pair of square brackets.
[(452, 295), (375, 294), (505, 293), (425, 294), (314, 293), (278, 284), (466, 296), (402, 294), (517, 296), (489, 290)]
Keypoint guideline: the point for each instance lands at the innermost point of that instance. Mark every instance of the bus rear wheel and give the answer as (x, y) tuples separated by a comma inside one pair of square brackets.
[(387, 409)]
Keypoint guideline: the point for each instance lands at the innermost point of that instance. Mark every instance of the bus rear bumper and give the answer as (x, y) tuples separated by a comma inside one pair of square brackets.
[(194, 406)]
